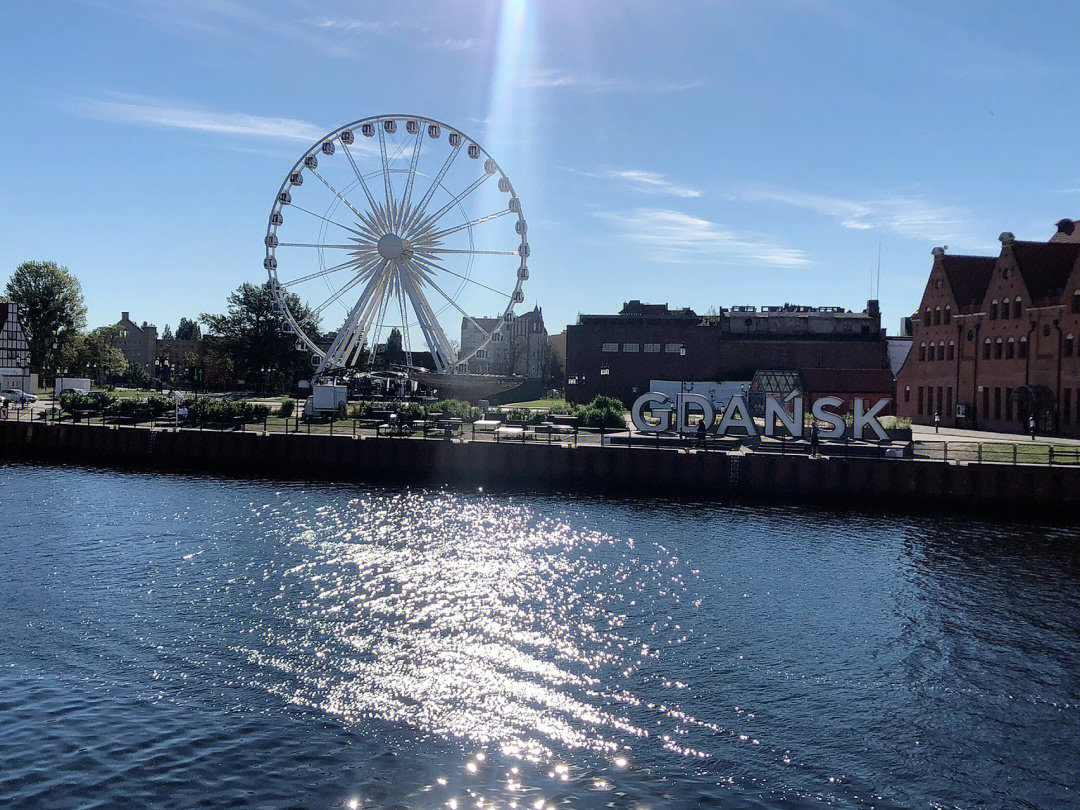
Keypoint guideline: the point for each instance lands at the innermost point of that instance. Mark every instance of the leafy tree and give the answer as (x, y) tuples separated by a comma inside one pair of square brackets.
[(554, 375), (96, 353), (51, 307), (167, 334), (249, 338), (188, 330)]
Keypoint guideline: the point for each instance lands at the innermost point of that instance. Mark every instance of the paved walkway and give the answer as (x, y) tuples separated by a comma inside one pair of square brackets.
[(925, 433)]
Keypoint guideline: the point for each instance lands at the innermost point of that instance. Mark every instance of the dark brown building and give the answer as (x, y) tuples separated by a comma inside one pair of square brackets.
[(618, 355), (994, 339)]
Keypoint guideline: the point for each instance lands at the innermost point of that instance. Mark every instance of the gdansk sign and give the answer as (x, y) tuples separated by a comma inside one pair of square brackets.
[(736, 416)]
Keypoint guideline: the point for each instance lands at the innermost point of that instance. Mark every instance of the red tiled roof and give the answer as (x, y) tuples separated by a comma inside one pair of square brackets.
[(1045, 266), (847, 380), (968, 276)]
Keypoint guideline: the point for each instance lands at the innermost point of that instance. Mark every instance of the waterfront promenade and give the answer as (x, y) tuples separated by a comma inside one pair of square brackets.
[(623, 470)]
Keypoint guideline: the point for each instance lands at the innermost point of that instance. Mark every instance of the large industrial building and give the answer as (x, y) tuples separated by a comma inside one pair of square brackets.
[(994, 340), (822, 350)]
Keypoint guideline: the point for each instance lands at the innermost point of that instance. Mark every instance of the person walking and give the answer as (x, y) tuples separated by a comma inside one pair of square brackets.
[(815, 441), (937, 421), (1031, 426), (701, 432)]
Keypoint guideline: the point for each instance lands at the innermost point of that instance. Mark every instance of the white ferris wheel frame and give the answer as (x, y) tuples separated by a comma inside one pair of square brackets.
[(396, 245)]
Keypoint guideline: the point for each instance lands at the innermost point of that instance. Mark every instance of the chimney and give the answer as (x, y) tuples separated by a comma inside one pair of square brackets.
[(1006, 238), (1066, 231), (124, 316), (873, 308)]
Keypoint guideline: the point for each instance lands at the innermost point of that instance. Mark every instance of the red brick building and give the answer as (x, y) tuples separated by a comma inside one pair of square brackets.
[(995, 339), (839, 351)]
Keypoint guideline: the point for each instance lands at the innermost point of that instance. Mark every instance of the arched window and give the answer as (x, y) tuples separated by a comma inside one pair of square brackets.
[(941, 350), (948, 314), (952, 349), (1068, 351), (1076, 301), (1005, 310), (1010, 349), (986, 349), (1018, 308), (927, 319), (922, 351), (1023, 347), (993, 310), (937, 315), (998, 347), (907, 393)]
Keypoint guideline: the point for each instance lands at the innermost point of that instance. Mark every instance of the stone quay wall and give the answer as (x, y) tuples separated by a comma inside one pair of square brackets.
[(893, 484)]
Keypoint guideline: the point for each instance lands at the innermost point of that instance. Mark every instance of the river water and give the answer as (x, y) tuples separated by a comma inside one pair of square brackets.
[(182, 642)]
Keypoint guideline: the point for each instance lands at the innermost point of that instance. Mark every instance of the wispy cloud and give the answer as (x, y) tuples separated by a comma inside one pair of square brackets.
[(453, 44), (642, 181), (358, 26), (591, 83), (674, 236), (909, 215), (170, 114)]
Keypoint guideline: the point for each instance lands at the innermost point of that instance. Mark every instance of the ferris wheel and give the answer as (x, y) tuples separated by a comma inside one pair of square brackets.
[(397, 222)]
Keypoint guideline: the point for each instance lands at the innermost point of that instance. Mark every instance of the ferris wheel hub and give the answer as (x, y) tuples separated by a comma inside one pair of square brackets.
[(391, 246)]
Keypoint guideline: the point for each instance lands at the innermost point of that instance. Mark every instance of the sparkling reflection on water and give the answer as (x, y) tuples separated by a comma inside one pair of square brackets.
[(174, 641)]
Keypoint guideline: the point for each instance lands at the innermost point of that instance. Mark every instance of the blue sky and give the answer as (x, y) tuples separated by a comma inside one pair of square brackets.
[(696, 153)]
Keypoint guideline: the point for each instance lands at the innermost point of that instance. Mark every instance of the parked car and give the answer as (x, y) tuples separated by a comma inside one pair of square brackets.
[(74, 391), (17, 396)]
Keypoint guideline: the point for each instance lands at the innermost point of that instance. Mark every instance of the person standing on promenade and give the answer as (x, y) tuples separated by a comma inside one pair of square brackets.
[(701, 430), (1031, 426), (937, 421), (815, 441)]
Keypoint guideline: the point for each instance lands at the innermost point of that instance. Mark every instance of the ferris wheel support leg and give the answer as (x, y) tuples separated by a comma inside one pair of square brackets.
[(332, 358), (441, 351)]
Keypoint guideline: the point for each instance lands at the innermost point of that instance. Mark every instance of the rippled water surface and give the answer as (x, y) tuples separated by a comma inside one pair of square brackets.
[(174, 641)]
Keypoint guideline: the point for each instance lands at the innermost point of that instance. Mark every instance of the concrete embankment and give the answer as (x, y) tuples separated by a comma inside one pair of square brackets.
[(1047, 491)]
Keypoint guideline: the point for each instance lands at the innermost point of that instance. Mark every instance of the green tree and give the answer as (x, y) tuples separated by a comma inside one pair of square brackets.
[(96, 354), (51, 307), (394, 351), (248, 338), (167, 334), (188, 330)]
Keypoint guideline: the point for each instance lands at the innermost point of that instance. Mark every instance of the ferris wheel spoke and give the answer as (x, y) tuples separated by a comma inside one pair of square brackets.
[(359, 177), (427, 222), (344, 289), (440, 234), (475, 252), (326, 219), (422, 205), (412, 173), (318, 245), (440, 269), (454, 304), (386, 176), (325, 272), (335, 192)]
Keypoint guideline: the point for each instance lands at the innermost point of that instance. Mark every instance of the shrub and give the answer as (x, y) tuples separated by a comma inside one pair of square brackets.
[(456, 408), (606, 412), (285, 410), (73, 402)]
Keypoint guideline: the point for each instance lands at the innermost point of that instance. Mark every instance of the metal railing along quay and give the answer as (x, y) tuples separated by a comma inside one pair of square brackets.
[(1020, 452)]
